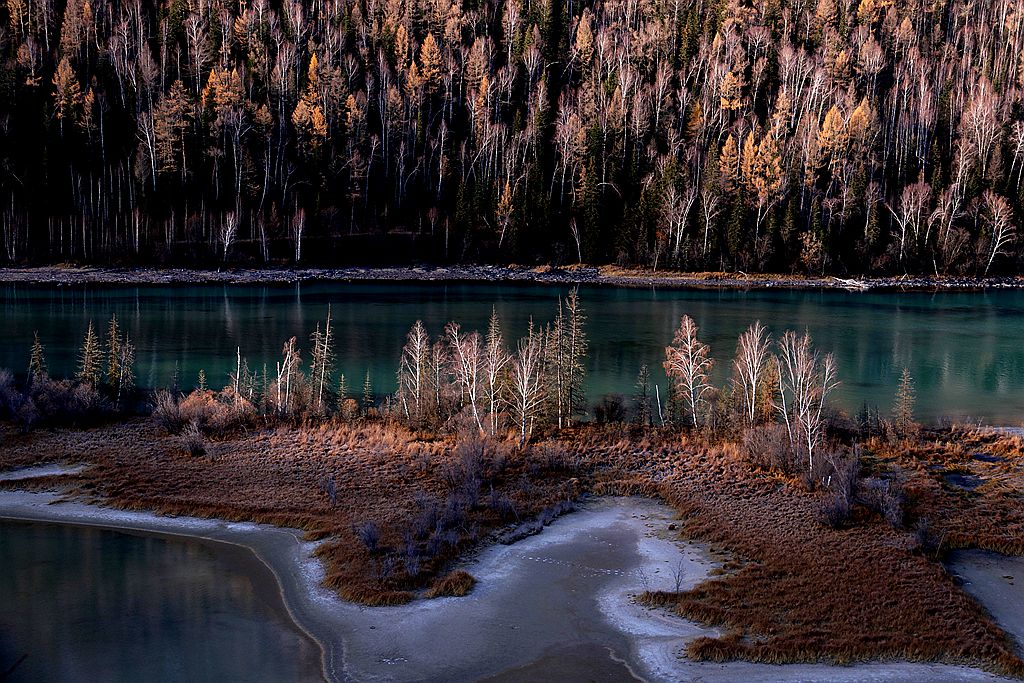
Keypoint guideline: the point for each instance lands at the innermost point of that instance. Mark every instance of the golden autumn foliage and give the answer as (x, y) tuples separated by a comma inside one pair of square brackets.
[(67, 93), (728, 165), (430, 64), (308, 116), (731, 92), (761, 166), (833, 137)]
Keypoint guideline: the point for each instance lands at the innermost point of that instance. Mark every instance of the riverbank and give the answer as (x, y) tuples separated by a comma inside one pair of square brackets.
[(792, 588), (588, 566), (997, 582), (571, 275)]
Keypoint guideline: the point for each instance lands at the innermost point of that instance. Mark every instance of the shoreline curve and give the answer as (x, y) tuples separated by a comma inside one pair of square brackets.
[(592, 562)]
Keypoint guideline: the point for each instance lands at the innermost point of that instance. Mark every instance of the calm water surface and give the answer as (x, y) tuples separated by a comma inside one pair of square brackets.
[(965, 350), (89, 604)]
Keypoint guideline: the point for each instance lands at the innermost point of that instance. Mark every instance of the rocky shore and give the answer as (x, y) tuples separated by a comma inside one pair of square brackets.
[(603, 275)]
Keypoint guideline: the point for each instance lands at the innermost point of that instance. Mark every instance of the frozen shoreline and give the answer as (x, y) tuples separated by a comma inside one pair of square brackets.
[(558, 602), (997, 582), (37, 471)]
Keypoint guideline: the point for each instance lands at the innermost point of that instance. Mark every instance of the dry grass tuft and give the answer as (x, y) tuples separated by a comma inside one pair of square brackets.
[(456, 583), (376, 598)]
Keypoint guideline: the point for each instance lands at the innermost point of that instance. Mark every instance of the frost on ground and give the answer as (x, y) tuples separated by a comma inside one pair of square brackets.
[(558, 602), (54, 470)]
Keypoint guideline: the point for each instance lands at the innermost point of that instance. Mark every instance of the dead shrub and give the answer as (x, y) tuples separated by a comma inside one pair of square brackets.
[(197, 408), (728, 647), (834, 511), (412, 562), (374, 597), (550, 456), (463, 474), (502, 505), (10, 398), (453, 584), (330, 489), (216, 414), (611, 408), (233, 412), (838, 472), (369, 535), (348, 410), (425, 520), (27, 415), (925, 539), (166, 412), (64, 403), (884, 496), (193, 441), (767, 447), (452, 516)]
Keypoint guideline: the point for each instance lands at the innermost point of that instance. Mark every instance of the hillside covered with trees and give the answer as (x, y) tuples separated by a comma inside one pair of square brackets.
[(829, 136)]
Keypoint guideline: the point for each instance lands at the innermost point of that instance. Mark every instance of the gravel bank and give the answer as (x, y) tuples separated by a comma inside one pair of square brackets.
[(470, 273)]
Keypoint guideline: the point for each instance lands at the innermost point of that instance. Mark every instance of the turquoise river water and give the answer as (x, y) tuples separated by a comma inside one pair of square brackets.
[(964, 349)]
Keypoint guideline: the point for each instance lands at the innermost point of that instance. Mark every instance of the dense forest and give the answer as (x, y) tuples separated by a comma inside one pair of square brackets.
[(839, 136)]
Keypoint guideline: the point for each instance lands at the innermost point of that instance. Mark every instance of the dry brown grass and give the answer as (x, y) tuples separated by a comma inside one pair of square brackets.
[(990, 516), (455, 584), (795, 590), (382, 473), (800, 591)]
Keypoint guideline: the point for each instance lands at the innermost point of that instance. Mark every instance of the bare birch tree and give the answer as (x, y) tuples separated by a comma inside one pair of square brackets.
[(439, 379), (228, 231), (999, 219), (496, 359), (297, 227), (710, 204), (749, 366), (805, 382), (688, 364), (243, 382), (527, 382), (287, 369), (466, 358), (910, 214), (322, 361), (675, 212), (414, 372)]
